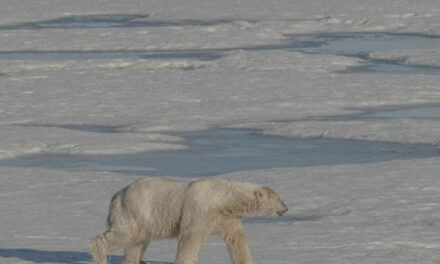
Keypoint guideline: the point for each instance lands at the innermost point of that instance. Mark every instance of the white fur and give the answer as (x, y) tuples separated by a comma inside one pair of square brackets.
[(154, 208)]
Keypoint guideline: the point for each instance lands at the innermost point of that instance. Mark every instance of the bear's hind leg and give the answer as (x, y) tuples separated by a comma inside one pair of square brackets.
[(105, 243)]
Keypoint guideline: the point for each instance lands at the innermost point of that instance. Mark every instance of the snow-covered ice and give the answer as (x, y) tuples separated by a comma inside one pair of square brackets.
[(334, 104)]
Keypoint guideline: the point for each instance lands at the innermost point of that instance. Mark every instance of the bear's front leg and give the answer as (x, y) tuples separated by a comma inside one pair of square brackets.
[(190, 242), (233, 234), (134, 252)]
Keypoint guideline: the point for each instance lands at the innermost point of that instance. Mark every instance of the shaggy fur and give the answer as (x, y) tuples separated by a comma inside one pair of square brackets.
[(154, 208)]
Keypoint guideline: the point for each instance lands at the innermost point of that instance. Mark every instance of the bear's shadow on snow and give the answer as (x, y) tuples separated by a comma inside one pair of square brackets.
[(66, 257), (283, 219)]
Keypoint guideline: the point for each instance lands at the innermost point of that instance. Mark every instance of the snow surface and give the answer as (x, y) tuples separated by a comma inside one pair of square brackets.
[(125, 77)]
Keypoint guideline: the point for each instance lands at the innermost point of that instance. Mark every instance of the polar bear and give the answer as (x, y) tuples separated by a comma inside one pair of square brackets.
[(155, 208)]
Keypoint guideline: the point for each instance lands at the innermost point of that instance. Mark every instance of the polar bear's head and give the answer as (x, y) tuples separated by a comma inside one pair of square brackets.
[(269, 202)]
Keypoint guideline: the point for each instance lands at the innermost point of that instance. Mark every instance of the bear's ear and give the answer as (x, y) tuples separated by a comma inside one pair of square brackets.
[(259, 194)]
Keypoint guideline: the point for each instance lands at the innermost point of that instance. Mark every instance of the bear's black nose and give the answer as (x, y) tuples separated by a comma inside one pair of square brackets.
[(281, 212), (284, 210)]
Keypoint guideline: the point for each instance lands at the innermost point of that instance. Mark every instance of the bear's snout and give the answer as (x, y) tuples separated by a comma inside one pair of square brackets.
[(283, 210)]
